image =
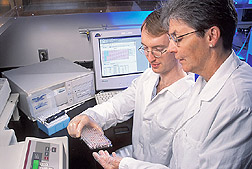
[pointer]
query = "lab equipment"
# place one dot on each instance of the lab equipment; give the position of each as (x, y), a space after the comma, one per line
(9, 137)
(53, 126)
(94, 138)
(8, 104)
(4, 93)
(13, 156)
(44, 153)
(117, 60)
(48, 87)
(41, 154)
(55, 116)
(103, 96)
(10, 110)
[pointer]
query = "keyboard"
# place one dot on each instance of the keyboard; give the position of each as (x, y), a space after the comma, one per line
(103, 96)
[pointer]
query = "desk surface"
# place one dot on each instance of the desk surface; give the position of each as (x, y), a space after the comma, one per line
(80, 156)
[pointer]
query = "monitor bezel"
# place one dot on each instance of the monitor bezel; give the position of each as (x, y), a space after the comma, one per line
(111, 82)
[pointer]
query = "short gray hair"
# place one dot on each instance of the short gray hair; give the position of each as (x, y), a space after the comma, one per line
(202, 15)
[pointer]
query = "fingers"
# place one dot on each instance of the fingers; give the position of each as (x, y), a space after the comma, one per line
(107, 161)
(75, 125)
(96, 156)
(104, 153)
(113, 154)
(93, 124)
(102, 157)
(80, 126)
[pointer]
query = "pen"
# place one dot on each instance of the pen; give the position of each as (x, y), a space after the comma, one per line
(55, 116)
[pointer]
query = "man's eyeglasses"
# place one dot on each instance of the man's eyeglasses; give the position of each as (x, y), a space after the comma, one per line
(179, 38)
(155, 52)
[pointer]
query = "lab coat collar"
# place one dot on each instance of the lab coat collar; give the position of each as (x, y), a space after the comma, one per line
(149, 86)
(177, 89)
(217, 81)
(206, 91)
(181, 86)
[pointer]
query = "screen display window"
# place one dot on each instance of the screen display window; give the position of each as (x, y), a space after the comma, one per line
(120, 56)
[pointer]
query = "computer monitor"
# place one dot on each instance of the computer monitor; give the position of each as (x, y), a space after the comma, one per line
(117, 60)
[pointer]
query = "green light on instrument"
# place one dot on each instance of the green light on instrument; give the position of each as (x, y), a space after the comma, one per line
(35, 164)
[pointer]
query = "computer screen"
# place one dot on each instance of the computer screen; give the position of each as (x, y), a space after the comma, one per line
(117, 60)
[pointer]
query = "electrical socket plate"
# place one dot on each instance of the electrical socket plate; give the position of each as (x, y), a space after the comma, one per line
(43, 55)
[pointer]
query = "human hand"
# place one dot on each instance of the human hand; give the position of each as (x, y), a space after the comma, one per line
(76, 125)
(107, 161)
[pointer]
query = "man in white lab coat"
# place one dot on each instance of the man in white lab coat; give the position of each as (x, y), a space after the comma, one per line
(216, 129)
(158, 98)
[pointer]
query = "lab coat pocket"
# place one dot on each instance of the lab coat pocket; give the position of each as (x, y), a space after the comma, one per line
(189, 147)
(161, 142)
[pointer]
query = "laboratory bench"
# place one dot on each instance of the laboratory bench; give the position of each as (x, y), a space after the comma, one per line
(80, 156)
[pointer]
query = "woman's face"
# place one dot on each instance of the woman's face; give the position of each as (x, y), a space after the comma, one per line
(191, 50)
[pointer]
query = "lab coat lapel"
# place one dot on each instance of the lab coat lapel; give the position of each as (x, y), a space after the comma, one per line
(202, 93)
(220, 77)
(194, 103)
(149, 85)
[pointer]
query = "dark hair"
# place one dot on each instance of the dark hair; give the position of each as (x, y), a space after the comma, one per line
(202, 15)
(153, 25)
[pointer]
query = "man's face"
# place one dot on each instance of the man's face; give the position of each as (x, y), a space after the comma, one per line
(167, 61)
(191, 50)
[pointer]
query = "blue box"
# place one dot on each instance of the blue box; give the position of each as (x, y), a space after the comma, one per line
(54, 126)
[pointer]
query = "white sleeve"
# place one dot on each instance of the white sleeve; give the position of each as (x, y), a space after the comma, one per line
(131, 163)
(115, 110)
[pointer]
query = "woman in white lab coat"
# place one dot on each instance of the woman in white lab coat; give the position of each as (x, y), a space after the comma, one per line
(216, 129)
(156, 100)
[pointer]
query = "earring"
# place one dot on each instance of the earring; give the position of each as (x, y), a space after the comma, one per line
(211, 45)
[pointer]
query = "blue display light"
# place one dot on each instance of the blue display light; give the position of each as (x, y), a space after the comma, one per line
(129, 18)
(241, 2)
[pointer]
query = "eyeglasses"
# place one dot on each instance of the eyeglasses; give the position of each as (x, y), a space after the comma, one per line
(155, 52)
(179, 38)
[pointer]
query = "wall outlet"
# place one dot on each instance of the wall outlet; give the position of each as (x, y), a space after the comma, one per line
(43, 55)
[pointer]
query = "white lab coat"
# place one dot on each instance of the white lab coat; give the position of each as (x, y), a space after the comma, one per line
(154, 121)
(216, 130)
